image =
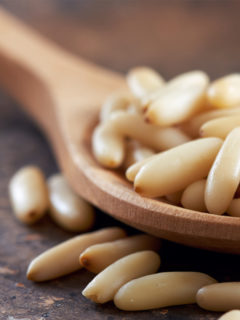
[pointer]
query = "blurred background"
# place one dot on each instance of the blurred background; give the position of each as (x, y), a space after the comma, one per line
(172, 36)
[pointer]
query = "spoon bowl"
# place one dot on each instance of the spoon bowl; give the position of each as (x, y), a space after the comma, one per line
(63, 94)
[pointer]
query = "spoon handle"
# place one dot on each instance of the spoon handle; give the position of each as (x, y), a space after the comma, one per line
(39, 74)
(29, 63)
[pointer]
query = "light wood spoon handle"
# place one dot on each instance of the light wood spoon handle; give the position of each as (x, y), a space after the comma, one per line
(33, 67)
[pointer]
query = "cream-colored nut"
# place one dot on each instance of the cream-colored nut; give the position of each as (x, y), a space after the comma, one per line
(151, 97)
(220, 127)
(117, 101)
(134, 126)
(67, 209)
(146, 100)
(179, 100)
(28, 194)
(108, 146)
(134, 168)
(135, 152)
(161, 290)
(175, 169)
(223, 296)
(234, 208)
(64, 258)
(144, 80)
(97, 257)
(231, 315)
(104, 286)
(141, 153)
(224, 176)
(193, 196)
(193, 126)
(175, 198)
(225, 92)
(134, 108)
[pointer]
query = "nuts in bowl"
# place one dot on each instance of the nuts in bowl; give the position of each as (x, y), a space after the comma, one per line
(191, 131)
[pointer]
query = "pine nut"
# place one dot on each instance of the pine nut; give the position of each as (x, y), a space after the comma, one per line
(220, 127)
(144, 80)
(28, 194)
(155, 179)
(219, 296)
(104, 286)
(224, 176)
(141, 153)
(108, 146)
(97, 257)
(64, 258)
(135, 168)
(193, 126)
(116, 101)
(234, 208)
(66, 208)
(180, 99)
(193, 196)
(135, 152)
(149, 98)
(161, 290)
(134, 126)
(231, 315)
(225, 92)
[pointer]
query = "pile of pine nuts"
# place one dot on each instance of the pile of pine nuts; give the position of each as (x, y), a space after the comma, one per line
(179, 140)
(126, 272)
(125, 266)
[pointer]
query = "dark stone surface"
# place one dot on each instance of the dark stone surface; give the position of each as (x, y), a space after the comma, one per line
(172, 36)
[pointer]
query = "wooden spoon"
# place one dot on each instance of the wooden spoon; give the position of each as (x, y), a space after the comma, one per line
(63, 93)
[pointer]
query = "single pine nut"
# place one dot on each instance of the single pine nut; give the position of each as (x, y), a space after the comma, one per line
(161, 290)
(66, 208)
(134, 126)
(224, 176)
(108, 146)
(104, 286)
(146, 100)
(64, 258)
(134, 168)
(116, 101)
(144, 80)
(99, 256)
(225, 92)
(175, 198)
(220, 127)
(219, 296)
(193, 126)
(135, 153)
(234, 208)
(141, 153)
(193, 196)
(155, 179)
(28, 194)
(179, 100)
(231, 315)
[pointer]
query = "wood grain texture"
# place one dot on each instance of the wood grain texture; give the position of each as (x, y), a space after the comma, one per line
(90, 26)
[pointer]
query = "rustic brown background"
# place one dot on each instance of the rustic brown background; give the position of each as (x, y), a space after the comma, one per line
(172, 36)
